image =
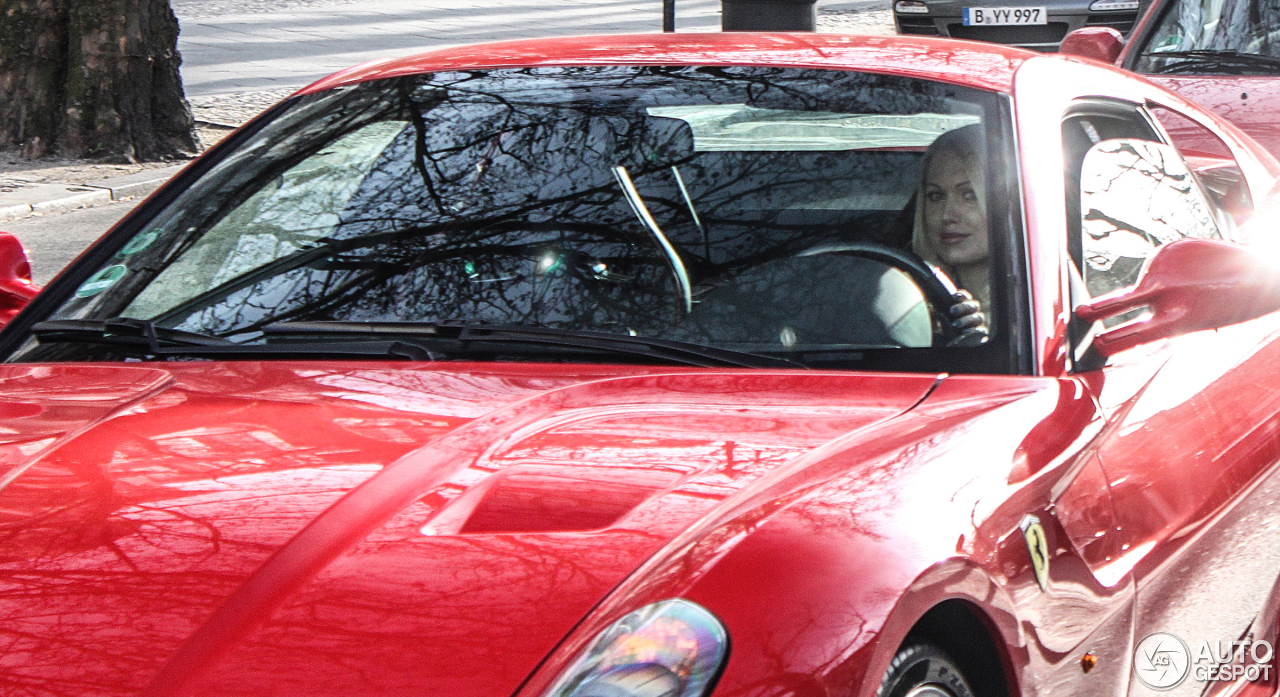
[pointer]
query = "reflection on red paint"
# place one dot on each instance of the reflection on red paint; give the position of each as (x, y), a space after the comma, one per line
(987, 67)
(1249, 102)
(164, 491)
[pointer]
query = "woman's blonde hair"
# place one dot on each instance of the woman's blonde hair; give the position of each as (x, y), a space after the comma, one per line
(966, 143)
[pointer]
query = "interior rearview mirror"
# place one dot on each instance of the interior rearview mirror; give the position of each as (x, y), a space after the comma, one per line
(1187, 286)
(16, 288)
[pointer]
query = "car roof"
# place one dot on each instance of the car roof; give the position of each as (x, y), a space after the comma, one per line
(983, 66)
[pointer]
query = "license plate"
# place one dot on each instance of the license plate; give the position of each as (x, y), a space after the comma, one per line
(1003, 16)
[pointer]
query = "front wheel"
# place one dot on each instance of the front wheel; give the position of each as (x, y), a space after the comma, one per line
(921, 669)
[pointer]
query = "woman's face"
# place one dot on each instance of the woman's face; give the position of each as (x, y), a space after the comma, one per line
(954, 221)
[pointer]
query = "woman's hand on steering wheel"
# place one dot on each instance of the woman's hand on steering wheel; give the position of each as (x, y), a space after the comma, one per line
(968, 323)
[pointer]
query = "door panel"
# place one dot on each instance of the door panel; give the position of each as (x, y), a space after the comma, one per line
(1088, 517)
(1195, 436)
(1180, 457)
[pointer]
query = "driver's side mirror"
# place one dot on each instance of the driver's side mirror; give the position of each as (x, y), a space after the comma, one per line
(1187, 286)
(16, 288)
(1099, 43)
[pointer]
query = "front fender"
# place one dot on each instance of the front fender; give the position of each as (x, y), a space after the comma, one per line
(816, 612)
(821, 570)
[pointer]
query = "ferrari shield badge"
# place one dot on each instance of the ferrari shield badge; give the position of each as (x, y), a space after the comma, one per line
(1038, 548)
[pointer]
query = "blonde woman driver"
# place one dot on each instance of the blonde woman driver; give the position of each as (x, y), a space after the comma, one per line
(950, 230)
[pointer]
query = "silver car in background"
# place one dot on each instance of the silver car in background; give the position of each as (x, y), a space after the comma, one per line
(1034, 24)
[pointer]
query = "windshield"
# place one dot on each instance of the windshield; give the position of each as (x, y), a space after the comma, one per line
(759, 210)
(1239, 37)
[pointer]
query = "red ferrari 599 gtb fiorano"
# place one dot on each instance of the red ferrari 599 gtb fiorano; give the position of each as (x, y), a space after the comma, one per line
(735, 365)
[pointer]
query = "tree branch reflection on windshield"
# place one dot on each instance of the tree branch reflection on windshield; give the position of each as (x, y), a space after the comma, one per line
(554, 197)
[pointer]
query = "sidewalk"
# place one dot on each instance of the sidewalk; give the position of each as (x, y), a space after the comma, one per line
(241, 56)
(19, 201)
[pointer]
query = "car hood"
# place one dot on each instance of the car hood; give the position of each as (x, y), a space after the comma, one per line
(288, 528)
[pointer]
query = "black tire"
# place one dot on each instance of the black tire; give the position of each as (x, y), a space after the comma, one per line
(921, 669)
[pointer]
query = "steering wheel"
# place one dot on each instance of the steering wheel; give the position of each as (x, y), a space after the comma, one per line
(937, 287)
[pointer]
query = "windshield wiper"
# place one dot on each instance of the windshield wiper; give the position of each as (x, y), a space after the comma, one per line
(125, 331)
(145, 338)
(1207, 61)
(464, 332)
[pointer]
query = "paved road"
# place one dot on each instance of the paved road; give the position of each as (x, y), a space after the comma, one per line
(297, 42)
(233, 46)
(52, 241)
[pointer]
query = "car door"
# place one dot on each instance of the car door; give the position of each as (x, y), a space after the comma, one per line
(1192, 423)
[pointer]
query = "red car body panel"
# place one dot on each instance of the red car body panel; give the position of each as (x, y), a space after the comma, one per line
(146, 484)
(831, 556)
(304, 528)
(177, 484)
(1249, 102)
(988, 67)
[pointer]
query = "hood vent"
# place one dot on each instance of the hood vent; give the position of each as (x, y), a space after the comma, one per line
(550, 499)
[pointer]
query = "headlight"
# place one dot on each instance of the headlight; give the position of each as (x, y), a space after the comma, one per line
(910, 7)
(672, 648)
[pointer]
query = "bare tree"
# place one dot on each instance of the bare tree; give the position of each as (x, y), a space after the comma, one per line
(92, 78)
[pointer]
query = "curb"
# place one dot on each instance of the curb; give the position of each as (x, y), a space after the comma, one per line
(60, 198)
(855, 6)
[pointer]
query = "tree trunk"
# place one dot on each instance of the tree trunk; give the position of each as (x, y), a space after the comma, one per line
(93, 78)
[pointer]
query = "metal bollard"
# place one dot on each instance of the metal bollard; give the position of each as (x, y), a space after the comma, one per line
(768, 15)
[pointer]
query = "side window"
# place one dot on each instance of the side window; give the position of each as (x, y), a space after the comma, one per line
(1210, 36)
(1135, 195)
(1127, 193)
(1212, 163)
(1085, 125)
